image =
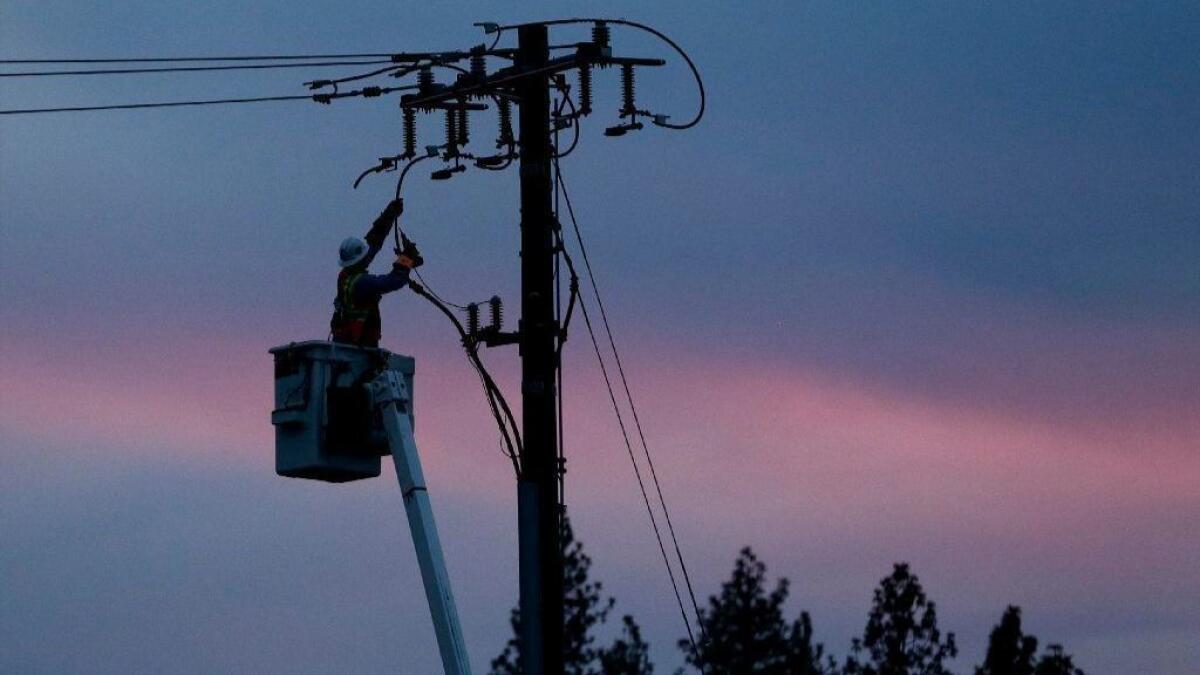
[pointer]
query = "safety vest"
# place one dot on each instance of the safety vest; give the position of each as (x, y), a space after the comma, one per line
(353, 322)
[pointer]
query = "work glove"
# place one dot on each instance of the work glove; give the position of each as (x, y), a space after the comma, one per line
(409, 257)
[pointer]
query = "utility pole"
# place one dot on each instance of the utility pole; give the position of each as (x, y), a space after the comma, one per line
(538, 510)
(528, 82)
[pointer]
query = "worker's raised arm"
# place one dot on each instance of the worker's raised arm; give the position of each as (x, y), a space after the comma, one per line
(370, 286)
(379, 229)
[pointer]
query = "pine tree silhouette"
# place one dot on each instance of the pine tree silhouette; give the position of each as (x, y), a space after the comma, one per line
(629, 654)
(902, 635)
(1055, 662)
(746, 630)
(585, 608)
(1010, 651)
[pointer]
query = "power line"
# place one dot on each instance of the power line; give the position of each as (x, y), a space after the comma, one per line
(461, 308)
(366, 92)
(561, 184)
(165, 104)
(637, 472)
(186, 59)
(193, 69)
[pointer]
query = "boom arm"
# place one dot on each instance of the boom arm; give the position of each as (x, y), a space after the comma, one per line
(391, 397)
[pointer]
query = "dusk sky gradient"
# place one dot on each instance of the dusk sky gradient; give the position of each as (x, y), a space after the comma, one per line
(923, 286)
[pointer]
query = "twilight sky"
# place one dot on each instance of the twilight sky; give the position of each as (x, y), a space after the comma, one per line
(923, 286)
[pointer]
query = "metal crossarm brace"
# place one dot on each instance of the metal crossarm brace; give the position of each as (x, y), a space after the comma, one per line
(507, 78)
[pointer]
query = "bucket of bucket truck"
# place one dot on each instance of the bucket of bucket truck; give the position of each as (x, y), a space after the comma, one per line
(325, 428)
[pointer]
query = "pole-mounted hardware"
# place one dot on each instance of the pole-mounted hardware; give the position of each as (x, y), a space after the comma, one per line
(500, 86)
(492, 335)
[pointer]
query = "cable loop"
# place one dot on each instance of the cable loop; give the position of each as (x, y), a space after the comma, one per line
(661, 121)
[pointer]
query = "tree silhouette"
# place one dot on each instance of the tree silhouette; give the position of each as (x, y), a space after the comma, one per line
(804, 656)
(584, 607)
(901, 636)
(1010, 651)
(746, 631)
(1055, 662)
(629, 654)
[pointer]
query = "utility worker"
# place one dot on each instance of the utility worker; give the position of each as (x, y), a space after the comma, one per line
(356, 309)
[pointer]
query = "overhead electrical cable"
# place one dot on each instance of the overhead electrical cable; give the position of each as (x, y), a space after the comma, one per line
(400, 181)
(194, 69)
(367, 92)
(166, 104)
(505, 444)
(629, 398)
(637, 471)
(200, 59)
(561, 184)
(461, 308)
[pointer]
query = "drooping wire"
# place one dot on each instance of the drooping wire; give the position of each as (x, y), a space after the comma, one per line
(496, 401)
(628, 394)
(187, 59)
(193, 69)
(400, 185)
(365, 92)
(653, 31)
(510, 433)
(396, 231)
(461, 308)
(506, 448)
(496, 398)
(164, 104)
(560, 185)
(637, 472)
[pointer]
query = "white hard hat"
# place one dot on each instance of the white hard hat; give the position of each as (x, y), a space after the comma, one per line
(352, 250)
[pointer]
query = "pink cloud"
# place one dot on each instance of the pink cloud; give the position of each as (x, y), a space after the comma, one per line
(725, 424)
(744, 449)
